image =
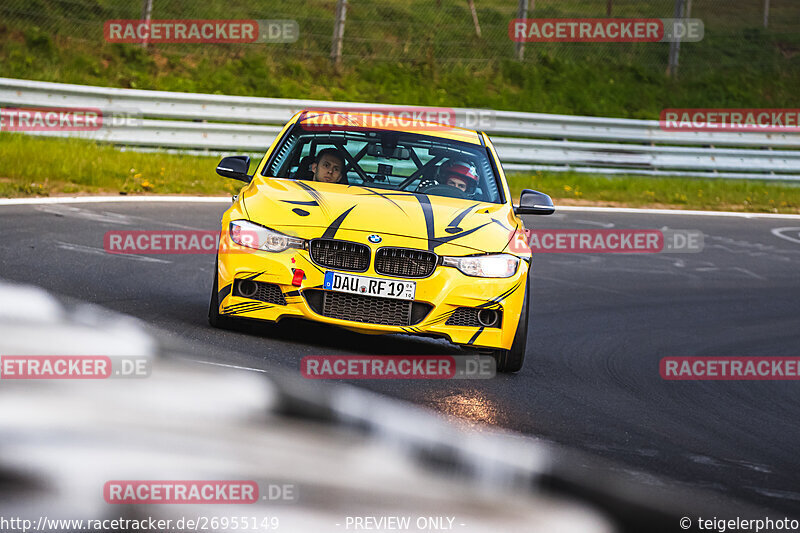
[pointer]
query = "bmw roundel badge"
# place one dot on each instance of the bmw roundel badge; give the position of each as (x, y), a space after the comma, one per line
(374, 239)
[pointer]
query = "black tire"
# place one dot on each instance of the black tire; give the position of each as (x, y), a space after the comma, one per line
(214, 318)
(513, 359)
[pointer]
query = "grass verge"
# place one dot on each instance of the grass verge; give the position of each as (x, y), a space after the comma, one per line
(38, 166)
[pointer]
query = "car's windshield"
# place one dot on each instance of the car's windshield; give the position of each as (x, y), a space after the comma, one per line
(387, 160)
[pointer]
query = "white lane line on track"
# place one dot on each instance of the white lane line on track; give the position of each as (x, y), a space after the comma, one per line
(85, 214)
(779, 232)
(105, 199)
(226, 199)
(591, 209)
(99, 251)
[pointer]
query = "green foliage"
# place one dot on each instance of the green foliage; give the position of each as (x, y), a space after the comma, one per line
(669, 192)
(425, 53)
(36, 166)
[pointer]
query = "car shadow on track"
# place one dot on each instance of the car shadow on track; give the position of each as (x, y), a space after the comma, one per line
(303, 332)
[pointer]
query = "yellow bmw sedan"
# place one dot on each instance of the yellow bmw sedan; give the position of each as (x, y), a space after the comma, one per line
(380, 226)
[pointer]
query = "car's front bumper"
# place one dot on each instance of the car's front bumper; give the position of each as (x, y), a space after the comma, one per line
(445, 290)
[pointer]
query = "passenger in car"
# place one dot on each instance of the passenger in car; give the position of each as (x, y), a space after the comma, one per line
(459, 175)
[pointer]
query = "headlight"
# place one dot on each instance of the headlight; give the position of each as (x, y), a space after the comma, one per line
(251, 235)
(485, 266)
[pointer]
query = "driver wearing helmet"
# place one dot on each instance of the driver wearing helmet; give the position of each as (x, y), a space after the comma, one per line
(460, 175)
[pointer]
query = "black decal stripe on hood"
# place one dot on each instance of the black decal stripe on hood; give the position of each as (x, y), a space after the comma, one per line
(385, 197)
(461, 215)
(448, 238)
(475, 337)
(301, 202)
(314, 194)
(427, 212)
(330, 233)
(501, 224)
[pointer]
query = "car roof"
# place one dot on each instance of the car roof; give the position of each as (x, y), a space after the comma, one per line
(402, 121)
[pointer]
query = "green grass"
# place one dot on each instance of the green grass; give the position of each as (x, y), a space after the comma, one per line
(37, 166)
(571, 188)
(423, 52)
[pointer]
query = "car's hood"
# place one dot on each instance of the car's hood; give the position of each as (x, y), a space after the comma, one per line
(438, 222)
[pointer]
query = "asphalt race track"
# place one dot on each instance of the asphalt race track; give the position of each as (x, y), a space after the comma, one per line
(600, 324)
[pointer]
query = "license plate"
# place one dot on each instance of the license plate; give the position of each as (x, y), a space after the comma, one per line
(385, 288)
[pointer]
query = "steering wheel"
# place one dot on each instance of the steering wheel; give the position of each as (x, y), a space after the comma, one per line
(442, 190)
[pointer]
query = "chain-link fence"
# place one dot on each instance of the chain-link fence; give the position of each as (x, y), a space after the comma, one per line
(436, 31)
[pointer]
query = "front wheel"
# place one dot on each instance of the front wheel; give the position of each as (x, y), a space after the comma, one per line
(513, 359)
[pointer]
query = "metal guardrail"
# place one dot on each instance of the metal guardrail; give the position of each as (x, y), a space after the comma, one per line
(524, 141)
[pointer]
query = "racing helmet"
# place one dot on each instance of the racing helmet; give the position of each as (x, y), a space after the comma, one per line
(459, 169)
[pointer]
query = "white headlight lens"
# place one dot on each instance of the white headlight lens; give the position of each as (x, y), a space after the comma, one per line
(251, 235)
(485, 266)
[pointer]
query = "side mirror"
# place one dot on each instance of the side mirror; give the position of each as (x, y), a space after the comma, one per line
(534, 203)
(235, 167)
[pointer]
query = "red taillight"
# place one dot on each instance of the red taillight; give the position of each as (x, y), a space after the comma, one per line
(297, 279)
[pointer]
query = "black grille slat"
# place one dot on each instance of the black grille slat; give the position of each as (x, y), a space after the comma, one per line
(265, 292)
(270, 293)
(341, 255)
(369, 309)
(405, 262)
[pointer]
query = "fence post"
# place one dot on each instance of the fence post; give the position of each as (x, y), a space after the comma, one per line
(675, 45)
(474, 17)
(147, 10)
(522, 12)
(338, 32)
(609, 7)
(766, 13)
